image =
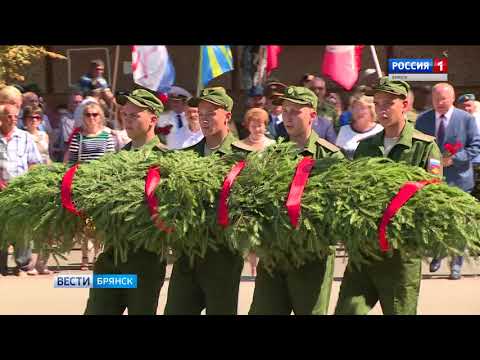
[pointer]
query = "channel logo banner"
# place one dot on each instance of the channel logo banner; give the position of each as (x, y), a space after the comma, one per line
(418, 69)
(98, 281)
(410, 66)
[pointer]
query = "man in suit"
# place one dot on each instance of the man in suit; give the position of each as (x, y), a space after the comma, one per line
(451, 126)
(325, 110)
(276, 127)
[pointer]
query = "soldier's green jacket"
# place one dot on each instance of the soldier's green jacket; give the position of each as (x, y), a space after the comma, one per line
(154, 144)
(225, 147)
(148, 266)
(305, 290)
(411, 116)
(414, 147)
(316, 147)
(320, 148)
(395, 279)
(213, 281)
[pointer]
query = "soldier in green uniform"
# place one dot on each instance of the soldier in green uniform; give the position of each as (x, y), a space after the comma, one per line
(395, 279)
(213, 281)
(305, 290)
(140, 113)
(324, 109)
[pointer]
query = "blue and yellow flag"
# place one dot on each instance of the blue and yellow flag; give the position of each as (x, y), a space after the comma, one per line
(215, 60)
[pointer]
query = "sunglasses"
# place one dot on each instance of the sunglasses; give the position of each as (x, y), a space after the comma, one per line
(35, 117)
(91, 114)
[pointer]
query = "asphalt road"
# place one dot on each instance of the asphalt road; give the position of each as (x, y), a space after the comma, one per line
(36, 295)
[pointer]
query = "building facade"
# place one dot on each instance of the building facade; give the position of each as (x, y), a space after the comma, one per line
(56, 77)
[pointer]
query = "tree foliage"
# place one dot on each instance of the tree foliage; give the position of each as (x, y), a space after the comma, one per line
(15, 58)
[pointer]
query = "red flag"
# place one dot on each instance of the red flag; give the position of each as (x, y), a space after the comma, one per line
(342, 64)
(272, 57)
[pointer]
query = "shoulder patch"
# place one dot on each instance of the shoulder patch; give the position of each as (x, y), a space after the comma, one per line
(239, 144)
(421, 136)
(328, 145)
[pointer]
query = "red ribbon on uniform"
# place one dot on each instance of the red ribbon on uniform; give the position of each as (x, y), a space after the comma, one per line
(151, 182)
(299, 181)
(222, 211)
(404, 194)
(66, 190)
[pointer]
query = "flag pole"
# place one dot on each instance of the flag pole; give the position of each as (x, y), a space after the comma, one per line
(375, 60)
(114, 80)
(115, 68)
(261, 66)
(199, 79)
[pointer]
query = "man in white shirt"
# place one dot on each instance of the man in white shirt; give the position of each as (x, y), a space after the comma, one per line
(176, 118)
(191, 133)
(67, 120)
(18, 153)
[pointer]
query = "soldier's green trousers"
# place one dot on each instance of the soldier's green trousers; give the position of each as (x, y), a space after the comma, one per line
(212, 284)
(305, 290)
(143, 300)
(394, 281)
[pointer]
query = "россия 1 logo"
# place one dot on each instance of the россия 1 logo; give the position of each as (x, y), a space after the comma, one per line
(418, 69)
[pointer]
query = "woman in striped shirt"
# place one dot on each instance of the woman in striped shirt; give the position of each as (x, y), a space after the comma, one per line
(93, 141)
(90, 143)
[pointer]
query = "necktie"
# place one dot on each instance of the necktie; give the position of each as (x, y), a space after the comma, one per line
(179, 119)
(441, 131)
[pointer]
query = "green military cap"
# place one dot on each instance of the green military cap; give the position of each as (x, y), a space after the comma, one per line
(217, 96)
(300, 95)
(142, 98)
(466, 97)
(395, 87)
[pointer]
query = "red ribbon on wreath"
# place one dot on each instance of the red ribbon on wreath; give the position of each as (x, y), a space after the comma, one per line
(66, 191)
(297, 187)
(404, 194)
(3, 185)
(222, 211)
(151, 182)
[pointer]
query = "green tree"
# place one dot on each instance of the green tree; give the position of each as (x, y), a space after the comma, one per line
(15, 58)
